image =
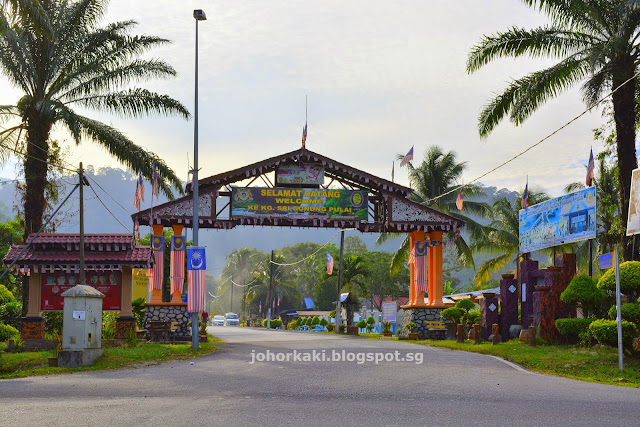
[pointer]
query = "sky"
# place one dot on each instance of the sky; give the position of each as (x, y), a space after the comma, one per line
(380, 77)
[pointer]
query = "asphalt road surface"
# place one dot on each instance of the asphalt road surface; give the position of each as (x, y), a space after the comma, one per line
(227, 389)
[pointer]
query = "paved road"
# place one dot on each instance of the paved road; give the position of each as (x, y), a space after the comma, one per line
(225, 388)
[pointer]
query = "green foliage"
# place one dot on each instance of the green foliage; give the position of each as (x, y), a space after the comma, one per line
(410, 326)
(276, 323)
(52, 322)
(452, 313)
(5, 295)
(8, 332)
(629, 280)
(138, 308)
(370, 320)
(386, 327)
(361, 324)
(342, 327)
(629, 312)
(315, 321)
(606, 332)
(465, 304)
(573, 327)
(583, 293)
(292, 325)
(330, 327)
(109, 324)
(473, 316)
(11, 314)
(324, 322)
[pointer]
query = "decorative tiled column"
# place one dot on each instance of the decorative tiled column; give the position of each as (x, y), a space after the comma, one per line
(158, 251)
(528, 283)
(489, 310)
(508, 304)
(33, 323)
(126, 321)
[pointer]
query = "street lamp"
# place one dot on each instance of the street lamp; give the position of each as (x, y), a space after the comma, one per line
(199, 15)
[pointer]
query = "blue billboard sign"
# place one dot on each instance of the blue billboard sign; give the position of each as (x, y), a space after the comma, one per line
(389, 312)
(565, 219)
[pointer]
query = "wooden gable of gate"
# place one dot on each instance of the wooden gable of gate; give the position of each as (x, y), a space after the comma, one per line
(390, 207)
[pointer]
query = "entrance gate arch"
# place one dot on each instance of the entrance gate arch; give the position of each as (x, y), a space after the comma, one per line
(388, 208)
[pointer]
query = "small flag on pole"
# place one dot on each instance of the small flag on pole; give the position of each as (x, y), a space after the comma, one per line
(304, 135)
(407, 158)
(196, 269)
(460, 200)
(524, 203)
(154, 187)
(329, 263)
(590, 170)
(139, 196)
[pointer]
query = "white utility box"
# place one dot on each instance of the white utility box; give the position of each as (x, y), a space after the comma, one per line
(81, 327)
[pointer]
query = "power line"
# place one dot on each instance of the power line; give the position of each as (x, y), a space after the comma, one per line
(537, 143)
(108, 210)
(319, 249)
(107, 193)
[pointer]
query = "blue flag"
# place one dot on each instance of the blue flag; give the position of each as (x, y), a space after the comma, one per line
(196, 259)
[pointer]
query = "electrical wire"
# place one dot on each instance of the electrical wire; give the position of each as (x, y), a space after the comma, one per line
(108, 210)
(37, 158)
(537, 143)
(319, 249)
(107, 193)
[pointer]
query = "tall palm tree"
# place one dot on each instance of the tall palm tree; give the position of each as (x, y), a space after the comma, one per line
(502, 235)
(595, 42)
(354, 271)
(438, 174)
(56, 53)
(282, 285)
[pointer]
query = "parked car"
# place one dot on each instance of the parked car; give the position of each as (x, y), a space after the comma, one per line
(218, 320)
(232, 319)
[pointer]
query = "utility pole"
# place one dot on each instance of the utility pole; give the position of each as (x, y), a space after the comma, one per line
(269, 292)
(244, 298)
(338, 308)
(232, 285)
(83, 279)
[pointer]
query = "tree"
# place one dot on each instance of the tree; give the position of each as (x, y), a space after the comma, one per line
(502, 235)
(596, 43)
(354, 272)
(56, 53)
(435, 176)
(237, 272)
(282, 285)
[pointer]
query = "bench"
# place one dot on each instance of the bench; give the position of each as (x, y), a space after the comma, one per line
(436, 330)
(140, 333)
(159, 331)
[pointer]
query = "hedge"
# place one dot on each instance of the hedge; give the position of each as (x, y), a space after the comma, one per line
(573, 327)
(630, 312)
(8, 332)
(452, 313)
(606, 332)
(629, 279)
(582, 292)
(5, 295)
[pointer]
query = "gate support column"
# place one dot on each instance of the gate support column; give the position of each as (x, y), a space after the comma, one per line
(414, 298)
(435, 271)
(156, 294)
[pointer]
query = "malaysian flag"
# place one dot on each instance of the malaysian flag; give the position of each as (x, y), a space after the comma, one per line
(590, 170)
(154, 188)
(412, 255)
(139, 196)
(304, 134)
(407, 158)
(157, 244)
(460, 200)
(524, 203)
(329, 263)
(177, 264)
(196, 269)
(421, 267)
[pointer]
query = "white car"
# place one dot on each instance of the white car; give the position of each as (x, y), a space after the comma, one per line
(218, 320)
(232, 319)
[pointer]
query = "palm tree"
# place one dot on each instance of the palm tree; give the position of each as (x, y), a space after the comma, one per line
(597, 43)
(354, 271)
(282, 285)
(502, 236)
(56, 53)
(237, 272)
(438, 174)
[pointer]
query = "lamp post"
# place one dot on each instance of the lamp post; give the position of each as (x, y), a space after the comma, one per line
(199, 15)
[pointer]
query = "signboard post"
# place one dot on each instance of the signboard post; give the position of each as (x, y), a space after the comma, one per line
(607, 261)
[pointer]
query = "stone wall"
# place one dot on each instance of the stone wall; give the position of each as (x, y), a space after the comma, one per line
(421, 315)
(171, 313)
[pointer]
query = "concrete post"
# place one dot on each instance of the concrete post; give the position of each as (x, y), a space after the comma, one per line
(508, 304)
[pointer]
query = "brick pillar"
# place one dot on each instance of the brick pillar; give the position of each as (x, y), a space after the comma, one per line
(527, 282)
(32, 328)
(567, 263)
(508, 304)
(489, 309)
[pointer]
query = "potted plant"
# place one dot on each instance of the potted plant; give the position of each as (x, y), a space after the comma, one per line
(411, 328)
(342, 327)
(386, 329)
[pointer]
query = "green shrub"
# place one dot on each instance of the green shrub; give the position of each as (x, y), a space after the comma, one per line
(629, 280)
(473, 316)
(324, 322)
(8, 332)
(303, 321)
(410, 326)
(299, 321)
(606, 332)
(361, 324)
(292, 325)
(109, 324)
(452, 313)
(11, 314)
(52, 322)
(371, 320)
(465, 304)
(5, 295)
(583, 293)
(386, 327)
(330, 327)
(342, 327)
(276, 323)
(315, 321)
(629, 311)
(573, 327)
(138, 307)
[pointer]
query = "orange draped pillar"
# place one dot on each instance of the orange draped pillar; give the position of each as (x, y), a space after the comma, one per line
(156, 294)
(177, 231)
(435, 270)
(415, 300)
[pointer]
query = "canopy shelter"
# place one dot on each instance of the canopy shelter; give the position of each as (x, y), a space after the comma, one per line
(52, 262)
(306, 189)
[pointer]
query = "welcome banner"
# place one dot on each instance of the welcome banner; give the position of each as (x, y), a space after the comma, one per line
(299, 203)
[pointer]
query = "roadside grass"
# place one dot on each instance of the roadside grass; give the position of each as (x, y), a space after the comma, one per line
(597, 364)
(17, 365)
